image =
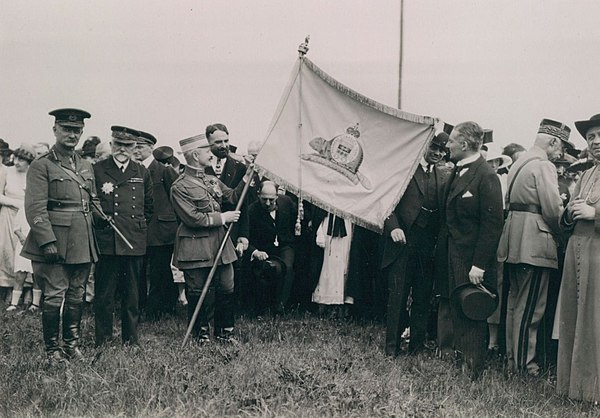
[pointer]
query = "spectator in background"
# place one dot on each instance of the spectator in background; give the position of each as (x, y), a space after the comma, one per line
(88, 149)
(41, 148)
(12, 194)
(334, 235)
(514, 151)
(5, 153)
(23, 271)
(157, 276)
(102, 151)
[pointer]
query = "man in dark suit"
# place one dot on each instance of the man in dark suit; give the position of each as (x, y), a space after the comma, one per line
(125, 192)
(468, 242)
(230, 171)
(157, 276)
(409, 238)
(272, 222)
(61, 243)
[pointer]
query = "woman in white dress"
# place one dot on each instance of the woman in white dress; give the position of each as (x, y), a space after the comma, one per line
(21, 267)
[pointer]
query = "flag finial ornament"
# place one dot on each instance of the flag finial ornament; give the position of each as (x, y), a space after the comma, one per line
(303, 47)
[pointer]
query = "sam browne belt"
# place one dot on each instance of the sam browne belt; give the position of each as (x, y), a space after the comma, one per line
(58, 206)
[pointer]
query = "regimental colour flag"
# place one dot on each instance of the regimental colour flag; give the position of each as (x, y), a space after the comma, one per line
(342, 151)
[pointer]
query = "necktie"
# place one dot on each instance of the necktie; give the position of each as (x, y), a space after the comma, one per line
(122, 169)
(218, 168)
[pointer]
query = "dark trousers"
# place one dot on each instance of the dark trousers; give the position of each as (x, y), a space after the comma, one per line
(284, 289)
(468, 337)
(122, 273)
(162, 291)
(411, 270)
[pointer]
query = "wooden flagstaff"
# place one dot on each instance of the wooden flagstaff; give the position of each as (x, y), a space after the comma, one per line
(400, 54)
(215, 265)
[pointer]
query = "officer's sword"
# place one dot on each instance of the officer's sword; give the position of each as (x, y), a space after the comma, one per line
(215, 265)
(111, 223)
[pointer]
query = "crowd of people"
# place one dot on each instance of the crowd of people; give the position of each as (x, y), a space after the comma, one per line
(490, 252)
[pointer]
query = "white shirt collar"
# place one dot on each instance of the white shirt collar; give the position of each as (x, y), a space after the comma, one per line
(125, 165)
(424, 163)
(468, 160)
(146, 163)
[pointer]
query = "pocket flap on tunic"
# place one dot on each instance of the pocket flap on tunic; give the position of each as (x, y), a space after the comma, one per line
(60, 218)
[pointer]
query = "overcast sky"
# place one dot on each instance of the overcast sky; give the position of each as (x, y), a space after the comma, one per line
(171, 68)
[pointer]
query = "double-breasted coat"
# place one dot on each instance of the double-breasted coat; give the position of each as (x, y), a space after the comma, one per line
(58, 208)
(126, 197)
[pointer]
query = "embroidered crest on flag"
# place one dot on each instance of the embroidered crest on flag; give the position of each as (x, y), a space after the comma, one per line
(343, 153)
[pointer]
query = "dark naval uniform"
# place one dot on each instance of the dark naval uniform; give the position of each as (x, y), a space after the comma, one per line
(58, 210)
(197, 198)
(127, 198)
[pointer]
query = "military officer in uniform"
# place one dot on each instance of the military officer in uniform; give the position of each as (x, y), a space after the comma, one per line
(125, 192)
(61, 243)
(197, 198)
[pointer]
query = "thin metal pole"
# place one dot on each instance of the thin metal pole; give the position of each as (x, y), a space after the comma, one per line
(215, 265)
(400, 54)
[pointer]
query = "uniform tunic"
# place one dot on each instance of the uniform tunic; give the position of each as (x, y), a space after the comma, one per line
(49, 189)
(197, 199)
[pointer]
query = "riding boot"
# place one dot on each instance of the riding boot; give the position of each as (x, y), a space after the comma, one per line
(51, 331)
(71, 331)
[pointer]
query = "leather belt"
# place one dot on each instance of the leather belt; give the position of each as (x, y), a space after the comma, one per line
(58, 206)
(523, 207)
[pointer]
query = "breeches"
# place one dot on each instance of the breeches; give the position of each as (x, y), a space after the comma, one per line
(61, 282)
(222, 281)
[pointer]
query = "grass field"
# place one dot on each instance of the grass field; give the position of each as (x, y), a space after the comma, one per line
(296, 365)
